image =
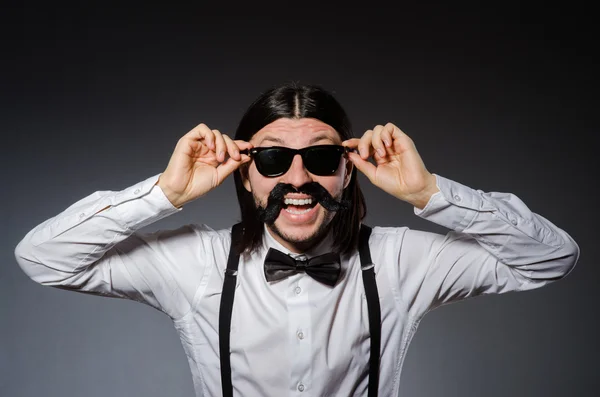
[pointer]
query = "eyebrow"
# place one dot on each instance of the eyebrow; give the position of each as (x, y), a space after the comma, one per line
(281, 142)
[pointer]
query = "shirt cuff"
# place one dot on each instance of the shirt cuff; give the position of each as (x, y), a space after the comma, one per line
(454, 206)
(143, 204)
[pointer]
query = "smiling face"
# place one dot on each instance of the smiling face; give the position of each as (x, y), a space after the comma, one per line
(298, 226)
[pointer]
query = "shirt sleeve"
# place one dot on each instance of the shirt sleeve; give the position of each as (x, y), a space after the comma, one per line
(496, 244)
(95, 246)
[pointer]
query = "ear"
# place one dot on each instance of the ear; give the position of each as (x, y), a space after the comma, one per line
(348, 176)
(244, 174)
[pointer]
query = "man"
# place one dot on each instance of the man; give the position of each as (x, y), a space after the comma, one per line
(294, 330)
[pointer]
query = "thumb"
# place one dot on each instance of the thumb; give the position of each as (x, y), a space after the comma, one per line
(363, 166)
(225, 169)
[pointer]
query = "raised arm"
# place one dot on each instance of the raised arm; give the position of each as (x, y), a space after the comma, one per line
(495, 242)
(94, 245)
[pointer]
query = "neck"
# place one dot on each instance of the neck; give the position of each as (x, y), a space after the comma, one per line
(299, 247)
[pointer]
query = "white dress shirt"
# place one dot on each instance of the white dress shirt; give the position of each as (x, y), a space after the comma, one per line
(296, 337)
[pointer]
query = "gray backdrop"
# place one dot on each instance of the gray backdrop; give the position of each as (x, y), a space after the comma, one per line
(499, 98)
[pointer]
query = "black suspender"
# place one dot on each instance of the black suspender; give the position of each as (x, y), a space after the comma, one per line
(368, 275)
(225, 310)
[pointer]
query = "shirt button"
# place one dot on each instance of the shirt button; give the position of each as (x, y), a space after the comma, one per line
(297, 290)
(300, 335)
(136, 191)
(457, 198)
(81, 215)
(300, 387)
(513, 221)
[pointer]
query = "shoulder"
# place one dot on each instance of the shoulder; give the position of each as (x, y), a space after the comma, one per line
(405, 242)
(188, 237)
(386, 234)
(386, 242)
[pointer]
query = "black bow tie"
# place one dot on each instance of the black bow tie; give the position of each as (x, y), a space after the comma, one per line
(324, 268)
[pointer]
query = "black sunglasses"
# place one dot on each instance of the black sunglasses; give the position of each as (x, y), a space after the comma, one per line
(322, 160)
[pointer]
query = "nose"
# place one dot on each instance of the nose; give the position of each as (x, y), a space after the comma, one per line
(297, 175)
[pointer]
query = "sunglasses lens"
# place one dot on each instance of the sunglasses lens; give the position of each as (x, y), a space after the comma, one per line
(273, 162)
(322, 160)
(319, 160)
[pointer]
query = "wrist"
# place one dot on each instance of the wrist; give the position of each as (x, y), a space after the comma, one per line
(174, 198)
(420, 199)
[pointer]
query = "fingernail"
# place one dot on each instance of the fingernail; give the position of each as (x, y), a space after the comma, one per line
(387, 142)
(381, 152)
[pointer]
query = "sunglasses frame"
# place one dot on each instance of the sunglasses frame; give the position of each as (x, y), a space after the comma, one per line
(254, 151)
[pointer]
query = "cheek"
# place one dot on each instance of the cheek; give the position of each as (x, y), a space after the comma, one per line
(334, 185)
(259, 185)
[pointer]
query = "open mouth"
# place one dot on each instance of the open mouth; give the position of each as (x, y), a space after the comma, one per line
(299, 206)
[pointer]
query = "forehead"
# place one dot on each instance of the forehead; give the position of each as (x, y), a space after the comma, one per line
(296, 131)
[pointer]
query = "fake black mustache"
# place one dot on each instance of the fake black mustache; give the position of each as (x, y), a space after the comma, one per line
(275, 202)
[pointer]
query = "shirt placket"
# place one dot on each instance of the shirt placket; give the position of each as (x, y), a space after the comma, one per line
(300, 338)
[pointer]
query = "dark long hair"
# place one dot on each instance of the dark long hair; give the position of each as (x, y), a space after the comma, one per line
(295, 101)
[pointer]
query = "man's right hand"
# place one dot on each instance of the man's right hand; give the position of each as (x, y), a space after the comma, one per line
(201, 161)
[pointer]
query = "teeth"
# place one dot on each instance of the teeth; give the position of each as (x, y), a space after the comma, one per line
(298, 212)
(289, 201)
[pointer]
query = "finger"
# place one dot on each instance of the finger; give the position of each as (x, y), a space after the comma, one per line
(386, 134)
(363, 166)
(376, 141)
(201, 133)
(220, 146)
(232, 149)
(196, 132)
(225, 169)
(243, 145)
(351, 143)
(400, 140)
(364, 146)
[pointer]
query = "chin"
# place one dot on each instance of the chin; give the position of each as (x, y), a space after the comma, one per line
(302, 235)
(296, 234)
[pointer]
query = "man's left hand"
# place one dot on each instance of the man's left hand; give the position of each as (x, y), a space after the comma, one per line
(398, 169)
